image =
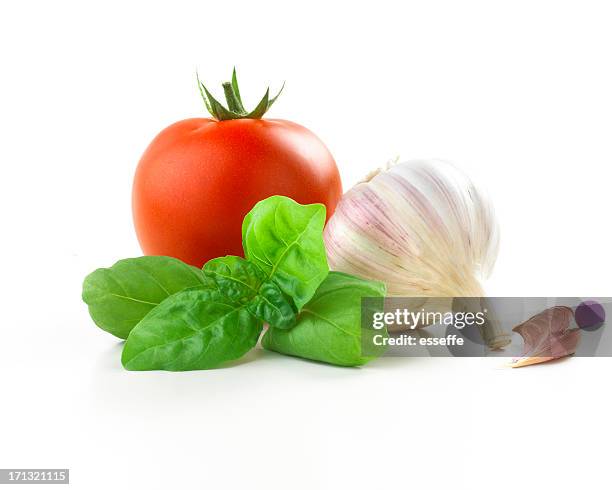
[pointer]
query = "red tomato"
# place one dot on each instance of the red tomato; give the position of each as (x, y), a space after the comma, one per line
(199, 178)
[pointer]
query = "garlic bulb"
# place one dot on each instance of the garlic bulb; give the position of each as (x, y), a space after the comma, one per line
(422, 227)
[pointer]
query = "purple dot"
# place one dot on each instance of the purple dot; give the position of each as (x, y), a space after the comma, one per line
(590, 315)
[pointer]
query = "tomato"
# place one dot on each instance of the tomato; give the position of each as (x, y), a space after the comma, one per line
(199, 177)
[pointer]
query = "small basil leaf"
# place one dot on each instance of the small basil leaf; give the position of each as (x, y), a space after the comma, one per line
(272, 307)
(285, 240)
(235, 277)
(120, 296)
(329, 327)
(244, 282)
(198, 328)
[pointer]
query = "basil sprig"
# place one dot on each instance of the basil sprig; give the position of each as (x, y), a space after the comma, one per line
(177, 318)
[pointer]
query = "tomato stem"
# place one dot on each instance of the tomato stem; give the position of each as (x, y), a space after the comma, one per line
(235, 108)
(233, 103)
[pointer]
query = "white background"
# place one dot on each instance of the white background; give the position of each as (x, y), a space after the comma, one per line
(517, 93)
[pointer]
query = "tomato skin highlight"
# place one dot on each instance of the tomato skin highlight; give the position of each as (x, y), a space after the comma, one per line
(199, 177)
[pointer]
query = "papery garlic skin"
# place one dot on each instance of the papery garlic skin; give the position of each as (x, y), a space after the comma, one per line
(422, 227)
(547, 336)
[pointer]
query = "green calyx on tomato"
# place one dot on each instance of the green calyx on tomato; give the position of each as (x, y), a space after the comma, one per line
(235, 108)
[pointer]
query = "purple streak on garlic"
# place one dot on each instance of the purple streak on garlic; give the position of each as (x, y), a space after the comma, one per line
(422, 227)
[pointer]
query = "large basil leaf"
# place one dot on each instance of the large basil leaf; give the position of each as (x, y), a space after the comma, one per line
(198, 328)
(329, 327)
(244, 282)
(120, 296)
(285, 240)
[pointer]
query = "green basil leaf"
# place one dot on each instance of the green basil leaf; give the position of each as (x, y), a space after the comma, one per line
(120, 296)
(244, 282)
(285, 240)
(329, 327)
(198, 328)
(272, 307)
(235, 277)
